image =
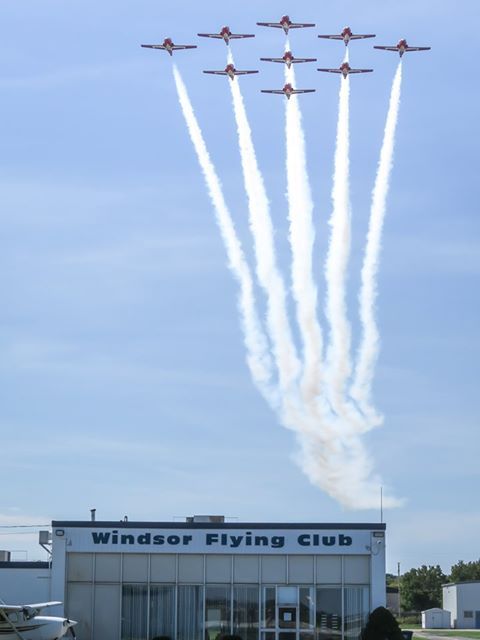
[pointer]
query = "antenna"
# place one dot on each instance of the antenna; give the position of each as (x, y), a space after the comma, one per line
(381, 504)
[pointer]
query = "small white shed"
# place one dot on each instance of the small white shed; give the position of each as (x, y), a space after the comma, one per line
(435, 619)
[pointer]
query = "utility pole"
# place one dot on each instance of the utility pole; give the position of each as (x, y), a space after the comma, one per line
(398, 574)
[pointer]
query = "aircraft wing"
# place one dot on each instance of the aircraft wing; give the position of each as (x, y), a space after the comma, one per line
(360, 70)
(38, 606)
(279, 92)
(332, 36)
(152, 46)
(295, 91)
(386, 48)
(184, 46)
(300, 25)
(275, 25)
(418, 48)
(304, 60)
(362, 36)
(210, 35)
(238, 36)
(272, 59)
(217, 73)
(331, 70)
(244, 73)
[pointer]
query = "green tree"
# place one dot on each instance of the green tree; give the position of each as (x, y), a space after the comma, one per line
(421, 589)
(381, 625)
(465, 571)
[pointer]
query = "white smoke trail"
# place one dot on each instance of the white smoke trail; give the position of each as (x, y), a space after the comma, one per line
(369, 346)
(302, 237)
(262, 231)
(338, 353)
(258, 357)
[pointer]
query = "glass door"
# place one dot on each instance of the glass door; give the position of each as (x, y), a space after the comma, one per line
(288, 613)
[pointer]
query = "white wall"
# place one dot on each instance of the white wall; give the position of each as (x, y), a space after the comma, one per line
(24, 586)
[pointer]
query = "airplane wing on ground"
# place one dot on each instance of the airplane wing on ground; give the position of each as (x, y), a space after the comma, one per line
(38, 606)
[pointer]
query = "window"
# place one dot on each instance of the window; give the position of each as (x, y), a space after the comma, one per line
(162, 611)
(245, 612)
(190, 612)
(355, 611)
(468, 614)
(134, 611)
(217, 611)
(329, 613)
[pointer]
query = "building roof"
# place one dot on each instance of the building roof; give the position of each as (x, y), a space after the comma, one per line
(20, 564)
(456, 584)
(130, 524)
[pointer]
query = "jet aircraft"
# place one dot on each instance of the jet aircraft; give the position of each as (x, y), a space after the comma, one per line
(230, 71)
(402, 46)
(345, 69)
(288, 59)
(288, 91)
(226, 35)
(286, 24)
(346, 35)
(169, 46)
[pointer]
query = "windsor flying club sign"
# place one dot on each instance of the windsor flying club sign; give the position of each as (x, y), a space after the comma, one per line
(237, 541)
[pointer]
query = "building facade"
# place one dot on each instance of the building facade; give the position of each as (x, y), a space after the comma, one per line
(462, 599)
(205, 579)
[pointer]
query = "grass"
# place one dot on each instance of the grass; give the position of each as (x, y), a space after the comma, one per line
(453, 633)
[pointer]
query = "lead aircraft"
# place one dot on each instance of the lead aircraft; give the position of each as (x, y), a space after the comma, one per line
(345, 69)
(286, 24)
(346, 35)
(230, 71)
(169, 46)
(23, 622)
(402, 47)
(288, 59)
(226, 35)
(288, 91)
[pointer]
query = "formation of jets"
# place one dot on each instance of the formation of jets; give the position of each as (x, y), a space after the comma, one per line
(346, 35)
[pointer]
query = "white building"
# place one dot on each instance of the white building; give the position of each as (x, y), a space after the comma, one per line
(436, 619)
(204, 579)
(23, 582)
(462, 599)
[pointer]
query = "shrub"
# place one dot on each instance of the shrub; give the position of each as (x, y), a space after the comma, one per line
(381, 625)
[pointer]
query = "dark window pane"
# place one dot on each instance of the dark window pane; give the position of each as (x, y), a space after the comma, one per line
(329, 613)
(217, 612)
(162, 611)
(190, 612)
(245, 612)
(134, 611)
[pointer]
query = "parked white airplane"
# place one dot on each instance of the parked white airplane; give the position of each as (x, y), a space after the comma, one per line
(23, 622)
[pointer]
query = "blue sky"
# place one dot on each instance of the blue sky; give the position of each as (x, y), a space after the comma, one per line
(122, 368)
